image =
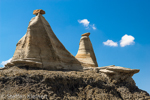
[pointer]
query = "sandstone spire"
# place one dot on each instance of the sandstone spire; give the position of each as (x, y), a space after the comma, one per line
(40, 47)
(86, 53)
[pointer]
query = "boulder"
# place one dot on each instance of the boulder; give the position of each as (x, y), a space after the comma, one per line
(35, 12)
(86, 34)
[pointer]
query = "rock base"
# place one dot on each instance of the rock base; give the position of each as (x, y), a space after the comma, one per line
(30, 84)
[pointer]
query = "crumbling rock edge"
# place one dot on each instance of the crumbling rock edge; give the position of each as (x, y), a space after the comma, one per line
(66, 85)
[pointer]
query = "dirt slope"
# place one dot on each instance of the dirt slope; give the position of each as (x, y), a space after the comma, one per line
(32, 84)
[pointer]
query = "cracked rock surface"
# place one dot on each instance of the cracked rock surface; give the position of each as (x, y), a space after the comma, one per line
(25, 83)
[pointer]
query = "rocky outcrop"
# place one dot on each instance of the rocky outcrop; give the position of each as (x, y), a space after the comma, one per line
(35, 12)
(40, 47)
(25, 83)
(29, 75)
(115, 73)
(86, 53)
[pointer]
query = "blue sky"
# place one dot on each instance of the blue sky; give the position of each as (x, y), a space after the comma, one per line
(110, 23)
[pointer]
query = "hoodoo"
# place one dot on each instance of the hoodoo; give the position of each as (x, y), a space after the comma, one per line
(40, 47)
(86, 53)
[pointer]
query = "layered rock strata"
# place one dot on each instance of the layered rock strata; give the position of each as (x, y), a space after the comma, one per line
(40, 47)
(115, 73)
(86, 53)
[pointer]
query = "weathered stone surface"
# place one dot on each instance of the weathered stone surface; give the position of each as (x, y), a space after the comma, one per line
(86, 53)
(107, 71)
(40, 48)
(122, 69)
(65, 85)
(115, 73)
(86, 34)
(35, 12)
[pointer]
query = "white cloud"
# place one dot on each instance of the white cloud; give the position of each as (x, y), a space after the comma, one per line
(110, 43)
(126, 40)
(93, 26)
(85, 22)
(5, 62)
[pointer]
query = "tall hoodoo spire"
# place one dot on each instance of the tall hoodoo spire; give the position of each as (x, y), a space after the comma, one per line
(40, 47)
(86, 53)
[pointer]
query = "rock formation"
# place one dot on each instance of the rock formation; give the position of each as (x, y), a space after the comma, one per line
(115, 73)
(23, 84)
(40, 47)
(86, 53)
(35, 12)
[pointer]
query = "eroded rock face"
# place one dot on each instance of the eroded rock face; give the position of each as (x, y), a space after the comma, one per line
(86, 53)
(40, 47)
(22, 84)
(115, 73)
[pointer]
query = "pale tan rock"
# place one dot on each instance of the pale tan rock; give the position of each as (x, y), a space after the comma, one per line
(119, 70)
(35, 12)
(107, 71)
(123, 70)
(115, 73)
(118, 74)
(40, 48)
(86, 53)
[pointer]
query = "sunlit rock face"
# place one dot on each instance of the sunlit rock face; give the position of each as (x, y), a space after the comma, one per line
(86, 53)
(40, 47)
(115, 73)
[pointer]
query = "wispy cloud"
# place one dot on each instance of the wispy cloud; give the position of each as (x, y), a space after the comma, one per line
(127, 40)
(110, 43)
(93, 26)
(86, 24)
(5, 62)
